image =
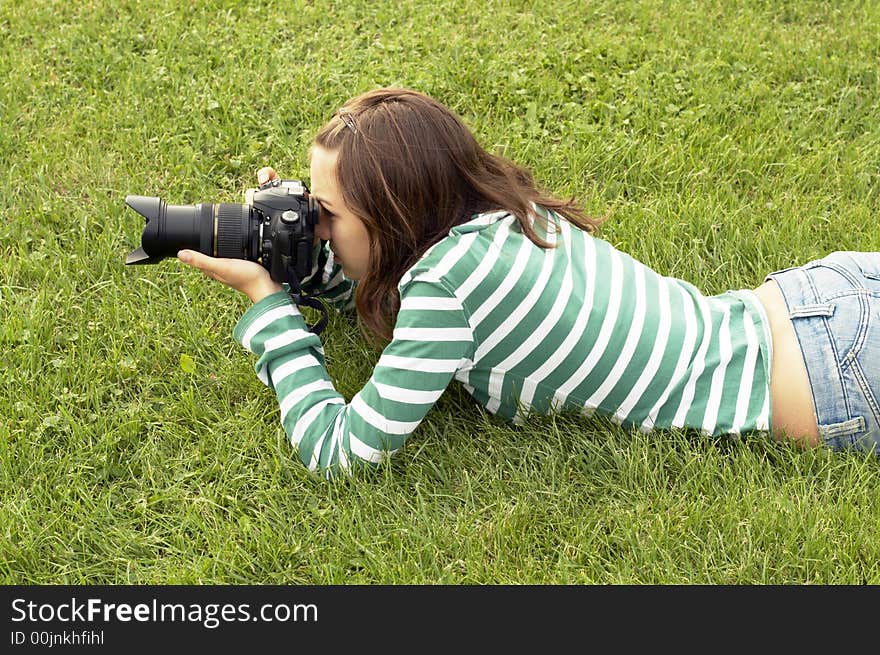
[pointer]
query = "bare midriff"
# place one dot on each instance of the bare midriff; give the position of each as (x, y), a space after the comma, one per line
(793, 415)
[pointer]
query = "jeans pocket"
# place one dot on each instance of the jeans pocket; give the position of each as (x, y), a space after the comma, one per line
(868, 263)
(846, 321)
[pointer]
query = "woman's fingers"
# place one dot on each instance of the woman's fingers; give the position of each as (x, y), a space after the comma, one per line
(195, 259)
(242, 275)
(202, 262)
(266, 174)
(233, 272)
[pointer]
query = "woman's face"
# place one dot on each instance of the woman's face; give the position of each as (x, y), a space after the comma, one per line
(346, 232)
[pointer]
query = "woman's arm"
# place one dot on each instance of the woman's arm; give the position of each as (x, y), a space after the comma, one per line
(432, 339)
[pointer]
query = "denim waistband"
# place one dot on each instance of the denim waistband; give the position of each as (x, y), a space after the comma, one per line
(833, 306)
(803, 301)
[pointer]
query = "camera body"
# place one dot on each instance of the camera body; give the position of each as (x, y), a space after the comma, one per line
(288, 217)
(276, 229)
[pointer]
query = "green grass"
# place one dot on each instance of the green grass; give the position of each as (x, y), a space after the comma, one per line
(724, 139)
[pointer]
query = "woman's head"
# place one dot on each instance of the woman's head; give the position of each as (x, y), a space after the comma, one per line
(347, 233)
(399, 157)
(408, 170)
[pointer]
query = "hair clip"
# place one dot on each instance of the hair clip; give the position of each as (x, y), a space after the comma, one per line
(348, 119)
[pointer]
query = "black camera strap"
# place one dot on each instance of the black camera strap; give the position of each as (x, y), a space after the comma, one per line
(301, 299)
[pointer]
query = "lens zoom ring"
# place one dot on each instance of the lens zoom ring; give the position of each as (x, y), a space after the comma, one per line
(232, 233)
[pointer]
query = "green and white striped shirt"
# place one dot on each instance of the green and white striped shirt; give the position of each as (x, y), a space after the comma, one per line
(581, 327)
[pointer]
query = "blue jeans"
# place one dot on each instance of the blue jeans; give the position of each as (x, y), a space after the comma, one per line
(834, 305)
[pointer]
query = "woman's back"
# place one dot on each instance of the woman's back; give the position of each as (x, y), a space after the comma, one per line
(585, 326)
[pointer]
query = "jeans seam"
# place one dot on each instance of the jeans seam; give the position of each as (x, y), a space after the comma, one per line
(861, 291)
(866, 390)
(862, 334)
(852, 279)
(803, 356)
(830, 341)
(865, 273)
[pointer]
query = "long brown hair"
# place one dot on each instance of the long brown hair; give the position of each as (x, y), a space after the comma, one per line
(411, 170)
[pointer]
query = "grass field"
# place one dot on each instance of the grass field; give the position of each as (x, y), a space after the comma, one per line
(724, 140)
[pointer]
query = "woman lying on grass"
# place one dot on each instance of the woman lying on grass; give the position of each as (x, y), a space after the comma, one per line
(474, 273)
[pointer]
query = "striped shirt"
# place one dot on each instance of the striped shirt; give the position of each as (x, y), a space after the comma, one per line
(581, 327)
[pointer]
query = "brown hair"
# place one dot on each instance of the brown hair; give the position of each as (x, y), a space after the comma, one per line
(411, 170)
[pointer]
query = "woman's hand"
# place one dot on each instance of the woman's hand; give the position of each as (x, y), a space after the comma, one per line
(250, 278)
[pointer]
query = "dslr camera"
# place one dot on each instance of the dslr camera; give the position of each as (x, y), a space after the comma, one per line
(276, 230)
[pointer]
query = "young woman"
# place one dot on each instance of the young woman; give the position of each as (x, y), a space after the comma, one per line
(472, 272)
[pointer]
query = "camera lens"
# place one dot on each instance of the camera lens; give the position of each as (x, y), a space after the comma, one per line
(233, 234)
(215, 229)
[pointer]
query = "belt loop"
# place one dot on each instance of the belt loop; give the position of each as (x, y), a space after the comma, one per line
(806, 311)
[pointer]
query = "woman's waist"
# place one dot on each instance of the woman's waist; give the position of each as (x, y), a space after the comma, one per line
(793, 412)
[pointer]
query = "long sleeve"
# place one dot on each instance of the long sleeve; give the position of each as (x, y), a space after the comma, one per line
(326, 276)
(432, 340)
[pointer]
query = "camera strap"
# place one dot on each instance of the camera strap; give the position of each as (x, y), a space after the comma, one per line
(301, 299)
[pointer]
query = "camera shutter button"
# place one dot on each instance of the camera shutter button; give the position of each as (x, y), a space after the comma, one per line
(289, 216)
